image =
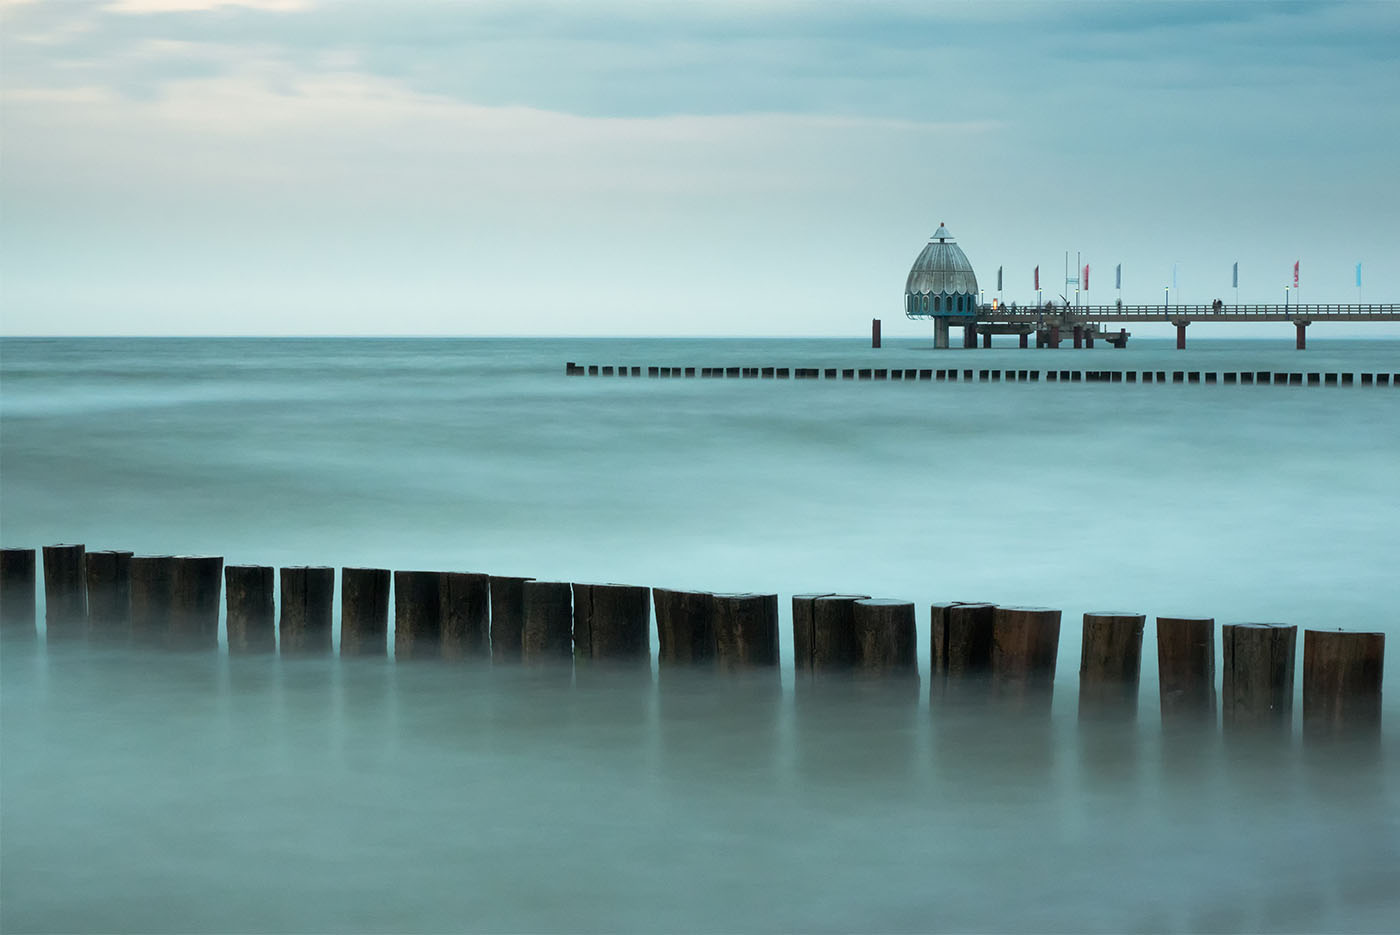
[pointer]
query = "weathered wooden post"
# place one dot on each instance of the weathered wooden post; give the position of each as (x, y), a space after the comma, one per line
(507, 617)
(886, 637)
(1186, 667)
(803, 624)
(1257, 674)
(612, 622)
(835, 644)
(1342, 683)
(685, 630)
(152, 590)
(960, 637)
(306, 621)
(364, 611)
(417, 615)
(17, 593)
(194, 607)
(466, 615)
(546, 633)
(251, 618)
(65, 591)
(1110, 664)
(874, 332)
(109, 596)
(1025, 645)
(746, 631)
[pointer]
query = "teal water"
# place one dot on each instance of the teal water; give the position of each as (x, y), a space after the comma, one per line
(173, 794)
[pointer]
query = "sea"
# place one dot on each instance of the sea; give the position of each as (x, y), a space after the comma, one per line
(153, 792)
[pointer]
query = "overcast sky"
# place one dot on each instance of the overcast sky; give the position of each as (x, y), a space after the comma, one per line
(519, 167)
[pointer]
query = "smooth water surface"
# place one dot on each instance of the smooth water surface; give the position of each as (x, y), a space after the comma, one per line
(171, 793)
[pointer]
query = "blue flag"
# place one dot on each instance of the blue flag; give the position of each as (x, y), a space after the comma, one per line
(1118, 277)
(1358, 275)
(998, 278)
(1236, 278)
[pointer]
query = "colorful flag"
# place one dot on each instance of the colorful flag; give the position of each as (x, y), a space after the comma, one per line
(1358, 275)
(998, 278)
(1295, 273)
(1037, 279)
(1235, 276)
(1118, 277)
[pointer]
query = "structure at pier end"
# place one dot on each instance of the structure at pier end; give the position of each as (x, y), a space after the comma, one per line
(942, 286)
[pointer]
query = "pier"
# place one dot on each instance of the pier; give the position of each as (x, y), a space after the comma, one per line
(1052, 324)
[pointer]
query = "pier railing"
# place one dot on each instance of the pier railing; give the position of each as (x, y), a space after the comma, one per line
(1207, 312)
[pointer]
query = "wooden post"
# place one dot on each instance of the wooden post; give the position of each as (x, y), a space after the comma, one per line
(835, 647)
(251, 619)
(746, 631)
(109, 596)
(307, 594)
(364, 611)
(886, 637)
(17, 593)
(1342, 682)
(1025, 644)
(685, 629)
(466, 615)
(1257, 674)
(874, 332)
(417, 615)
(65, 591)
(1110, 663)
(152, 590)
(194, 607)
(960, 637)
(507, 617)
(1186, 667)
(612, 622)
(803, 625)
(546, 633)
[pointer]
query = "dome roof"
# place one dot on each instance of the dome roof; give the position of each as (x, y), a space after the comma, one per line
(942, 268)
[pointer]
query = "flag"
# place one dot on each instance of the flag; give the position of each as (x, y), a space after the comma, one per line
(1086, 277)
(1235, 276)
(1037, 279)
(1295, 273)
(998, 278)
(1118, 277)
(1358, 275)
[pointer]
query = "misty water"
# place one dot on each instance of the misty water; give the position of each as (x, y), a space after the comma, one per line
(169, 792)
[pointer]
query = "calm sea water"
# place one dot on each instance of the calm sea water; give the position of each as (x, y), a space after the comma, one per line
(210, 794)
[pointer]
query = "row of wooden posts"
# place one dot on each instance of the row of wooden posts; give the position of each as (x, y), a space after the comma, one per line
(173, 602)
(953, 375)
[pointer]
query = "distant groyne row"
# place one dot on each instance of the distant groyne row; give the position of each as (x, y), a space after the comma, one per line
(985, 375)
(1007, 654)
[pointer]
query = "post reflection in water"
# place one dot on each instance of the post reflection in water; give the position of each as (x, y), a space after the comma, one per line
(162, 791)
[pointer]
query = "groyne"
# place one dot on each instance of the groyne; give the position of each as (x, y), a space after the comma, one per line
(1005, 654)
(989, 375)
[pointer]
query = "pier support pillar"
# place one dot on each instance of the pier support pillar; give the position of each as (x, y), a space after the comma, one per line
(1054, 335)
(970, 334)
(874, 332)
(1181, 334)
(986, 339)
(940, 333)
(1089, 339)
(1078, 337)
(1302, 327)
(1025, 339)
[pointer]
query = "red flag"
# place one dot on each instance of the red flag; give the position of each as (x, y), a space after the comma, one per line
(1295, 273)
(1086, 277)
(1037, 279)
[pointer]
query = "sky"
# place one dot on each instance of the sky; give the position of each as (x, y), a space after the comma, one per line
(513, 167)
